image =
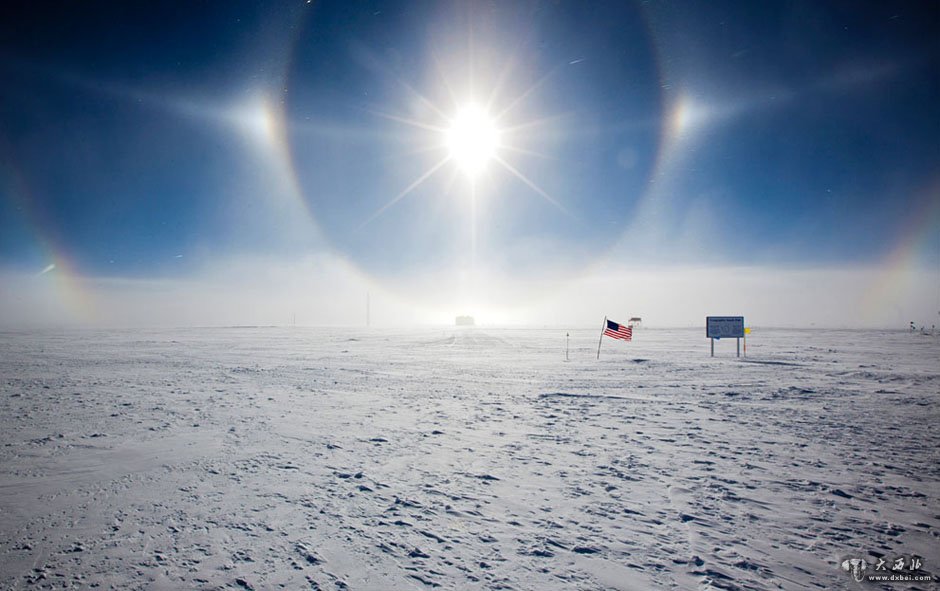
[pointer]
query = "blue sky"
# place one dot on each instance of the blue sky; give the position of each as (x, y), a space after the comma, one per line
(152, 141)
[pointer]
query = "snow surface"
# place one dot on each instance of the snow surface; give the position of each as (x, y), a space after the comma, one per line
(469, 458)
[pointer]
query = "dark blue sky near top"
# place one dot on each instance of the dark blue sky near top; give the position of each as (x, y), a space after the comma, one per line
(814, 139)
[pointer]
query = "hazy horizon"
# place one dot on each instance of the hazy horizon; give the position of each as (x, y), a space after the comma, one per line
(241, 294)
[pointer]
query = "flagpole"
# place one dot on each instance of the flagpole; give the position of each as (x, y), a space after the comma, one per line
(601, 338)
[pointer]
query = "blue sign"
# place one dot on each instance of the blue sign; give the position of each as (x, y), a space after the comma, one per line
(724, 327)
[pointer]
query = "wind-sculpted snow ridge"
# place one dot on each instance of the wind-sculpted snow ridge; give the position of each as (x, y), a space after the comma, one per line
(464, 459)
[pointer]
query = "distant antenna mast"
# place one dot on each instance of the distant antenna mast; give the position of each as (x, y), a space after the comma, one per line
(368, 311)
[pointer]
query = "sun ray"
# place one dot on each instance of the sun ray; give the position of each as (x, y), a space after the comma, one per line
(509, 67)
(424, 100)
(473, 225)
(376, 64)
(442, 75)
(422, 150)
(525, 94)
(501, 81)
(418, 151)
(407, 121)
(532, 185)
(471, 63)
(533, 123)
(518, 150)
(450, 181)
(336, 131)
(405, 192)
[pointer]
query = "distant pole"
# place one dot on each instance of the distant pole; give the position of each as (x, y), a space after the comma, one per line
(713, 346)
(603, 326)
(745, 343)
(566, 345)
(368, 310)
(738, 341)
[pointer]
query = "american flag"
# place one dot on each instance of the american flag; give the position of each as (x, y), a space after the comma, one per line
(618, 331)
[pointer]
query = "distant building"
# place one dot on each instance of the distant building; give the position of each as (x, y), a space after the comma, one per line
(464, 321)
(635, 321)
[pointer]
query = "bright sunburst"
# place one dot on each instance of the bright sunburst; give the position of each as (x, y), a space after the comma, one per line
(472, 140)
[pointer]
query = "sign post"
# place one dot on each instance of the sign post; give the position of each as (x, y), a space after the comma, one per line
(719, 327)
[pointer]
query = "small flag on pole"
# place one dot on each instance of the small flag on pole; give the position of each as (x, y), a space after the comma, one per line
(618, 331)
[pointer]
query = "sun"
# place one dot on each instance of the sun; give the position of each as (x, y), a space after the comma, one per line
(472, 139)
